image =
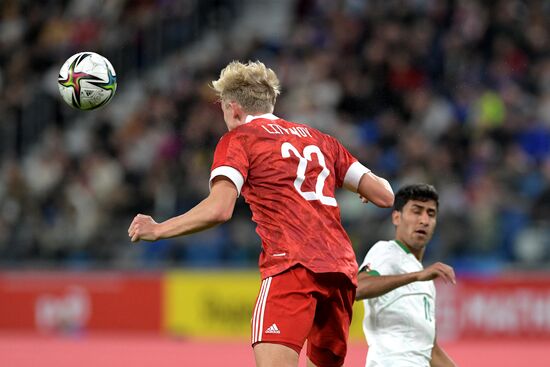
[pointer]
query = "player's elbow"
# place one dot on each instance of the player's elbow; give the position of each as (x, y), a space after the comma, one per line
(225, 216)
(385, 200)
(220, 206)
(221, 215)
(363, 292)
(376, 189)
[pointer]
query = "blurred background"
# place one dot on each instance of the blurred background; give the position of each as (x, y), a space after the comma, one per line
(453, 93)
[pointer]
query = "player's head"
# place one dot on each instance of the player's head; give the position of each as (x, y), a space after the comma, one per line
(246, 89)
(415, 215)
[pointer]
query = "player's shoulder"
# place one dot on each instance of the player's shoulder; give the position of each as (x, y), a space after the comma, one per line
(329, 139)
(315, 133)
(226, 138)
(381, 247)
(313, 130)
(237, 133)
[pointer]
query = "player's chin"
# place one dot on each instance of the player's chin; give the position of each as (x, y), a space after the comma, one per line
(421, 238)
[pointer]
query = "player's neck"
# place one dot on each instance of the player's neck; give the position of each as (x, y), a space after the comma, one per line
(418, 253)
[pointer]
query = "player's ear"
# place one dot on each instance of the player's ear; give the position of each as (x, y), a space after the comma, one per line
(396, 217)
(237, 110)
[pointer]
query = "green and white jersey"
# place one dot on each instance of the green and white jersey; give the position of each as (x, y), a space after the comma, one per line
(400, 325)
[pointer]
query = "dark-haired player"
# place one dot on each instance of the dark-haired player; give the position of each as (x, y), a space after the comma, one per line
(398, 293)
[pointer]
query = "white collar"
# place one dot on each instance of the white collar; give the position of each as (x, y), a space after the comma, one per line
(268, 116)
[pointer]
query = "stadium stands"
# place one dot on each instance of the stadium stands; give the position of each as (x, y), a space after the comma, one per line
(456, 94)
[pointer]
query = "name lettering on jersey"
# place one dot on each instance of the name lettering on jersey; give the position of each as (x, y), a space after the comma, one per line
(275, 129)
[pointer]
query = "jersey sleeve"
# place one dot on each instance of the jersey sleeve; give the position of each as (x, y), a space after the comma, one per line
(348, 169)
(378, 260)
(230, 160)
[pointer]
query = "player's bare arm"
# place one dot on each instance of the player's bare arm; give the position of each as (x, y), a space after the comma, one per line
(215, 209)
(371, 286)
(376, 190)
(440, 358)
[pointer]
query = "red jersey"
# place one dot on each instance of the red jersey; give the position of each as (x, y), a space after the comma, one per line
(288, 173)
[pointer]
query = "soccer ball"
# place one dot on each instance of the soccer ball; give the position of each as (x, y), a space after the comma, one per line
(87, 81)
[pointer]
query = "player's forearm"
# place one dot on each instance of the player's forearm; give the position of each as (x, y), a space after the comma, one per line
(370, 286)
(201, 217)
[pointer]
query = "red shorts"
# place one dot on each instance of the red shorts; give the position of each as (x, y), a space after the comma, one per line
(297, 305)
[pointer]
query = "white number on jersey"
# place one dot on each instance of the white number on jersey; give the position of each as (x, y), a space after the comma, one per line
(286, 148)
(427, 309)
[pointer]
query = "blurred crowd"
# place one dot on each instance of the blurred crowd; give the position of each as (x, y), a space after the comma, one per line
(453, 93)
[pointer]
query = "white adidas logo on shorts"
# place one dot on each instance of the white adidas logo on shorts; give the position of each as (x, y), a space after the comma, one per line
(273, 329)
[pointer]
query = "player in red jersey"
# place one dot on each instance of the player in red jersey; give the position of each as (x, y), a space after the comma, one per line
(287, 173)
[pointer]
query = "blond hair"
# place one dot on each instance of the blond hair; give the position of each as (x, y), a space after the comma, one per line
(252, 85)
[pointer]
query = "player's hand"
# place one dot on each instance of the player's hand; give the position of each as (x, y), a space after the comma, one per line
(438, 270)
(143, 227)
(363, 199)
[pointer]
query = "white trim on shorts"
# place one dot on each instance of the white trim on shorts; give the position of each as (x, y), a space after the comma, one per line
(259, 309)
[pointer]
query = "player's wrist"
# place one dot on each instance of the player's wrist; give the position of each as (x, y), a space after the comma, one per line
(158, 231)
